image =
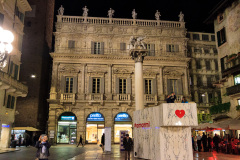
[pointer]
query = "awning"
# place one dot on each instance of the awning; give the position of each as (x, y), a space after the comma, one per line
(26, 128)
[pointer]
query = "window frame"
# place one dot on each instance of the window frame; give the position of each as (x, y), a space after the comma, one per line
(68, 86)
(96, 84)
(97, 48)
(122, 85)
(11, 100)
(221, 36)
(148, 86)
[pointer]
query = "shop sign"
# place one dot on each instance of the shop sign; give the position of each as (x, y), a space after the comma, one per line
(123, 117)
(68, 118)
(95, 117)
(6, 125)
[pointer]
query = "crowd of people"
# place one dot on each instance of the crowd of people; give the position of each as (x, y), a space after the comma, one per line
(172, 97)
(207, 143)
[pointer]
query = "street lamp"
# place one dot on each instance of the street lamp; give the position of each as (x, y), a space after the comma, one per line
(6, 38)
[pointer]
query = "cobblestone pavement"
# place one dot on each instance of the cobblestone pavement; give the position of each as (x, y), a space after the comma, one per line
(94, 152)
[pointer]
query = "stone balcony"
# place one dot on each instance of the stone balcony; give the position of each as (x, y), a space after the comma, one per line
(119, 21)
(231, 91)
(68, 98)
(150, 98)
(123, 98)
(11, 85)
(95, 98)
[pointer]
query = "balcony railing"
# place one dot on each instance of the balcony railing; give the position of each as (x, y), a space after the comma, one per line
(11, 85)
(68, 98)
(119, 21)
(119, 52)
(124, 97)
(233, 90)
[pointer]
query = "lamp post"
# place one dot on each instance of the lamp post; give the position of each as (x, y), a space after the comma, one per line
(6, 38)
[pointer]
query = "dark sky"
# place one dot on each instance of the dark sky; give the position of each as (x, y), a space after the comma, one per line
(195, 11)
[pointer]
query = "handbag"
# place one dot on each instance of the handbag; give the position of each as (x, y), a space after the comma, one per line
(100, 145)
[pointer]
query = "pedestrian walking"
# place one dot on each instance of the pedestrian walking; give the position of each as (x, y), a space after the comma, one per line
(19, 140)
(199, 140)
(127, 144)
(43, 148)
(80, 141)
(204, 142)
(216, 141)
(103, 141)
(209, 143)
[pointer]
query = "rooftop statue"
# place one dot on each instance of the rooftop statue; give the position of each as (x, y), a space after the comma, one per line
(85, 11)
(136, 42)
(134, 14)
(110, 13)
(61, 11)
(181, 17)
(157, 15)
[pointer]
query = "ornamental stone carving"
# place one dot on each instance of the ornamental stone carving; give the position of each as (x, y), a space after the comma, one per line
(69, 69)
(61, 11)
(181, 17)
(134, 14)
(157, 15)
(137, 43)
(85, 11)
(110, 13)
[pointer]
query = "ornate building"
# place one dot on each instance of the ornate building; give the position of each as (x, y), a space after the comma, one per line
(203, 72)
(12, 15)
(225, 17)
(93, 74)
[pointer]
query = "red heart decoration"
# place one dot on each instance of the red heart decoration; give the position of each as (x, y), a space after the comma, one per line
(180, 113)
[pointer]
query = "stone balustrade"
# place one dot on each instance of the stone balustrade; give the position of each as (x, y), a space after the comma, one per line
(96, 97)
(119, 21)
(11, 85)
(67, 98)
(124, 97)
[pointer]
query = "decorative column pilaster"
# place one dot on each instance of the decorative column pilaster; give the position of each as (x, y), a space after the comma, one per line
(83, 81)
(161, 80)
(53, 90)
(109, 93)
(186, 81)
(138, 56)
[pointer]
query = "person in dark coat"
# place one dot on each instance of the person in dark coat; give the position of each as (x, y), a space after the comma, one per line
(199, 141)
(103, 141)
(127, 144)
(43, 147)
(209, 143)
(216, 141)
(80, 141)
(19, 140)
(172, 98)
(204, 142)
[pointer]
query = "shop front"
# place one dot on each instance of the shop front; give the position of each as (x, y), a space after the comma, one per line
(94, 127)
(122, 121)
(67, 128)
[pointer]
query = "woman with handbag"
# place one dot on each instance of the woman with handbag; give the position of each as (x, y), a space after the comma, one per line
(43, 148)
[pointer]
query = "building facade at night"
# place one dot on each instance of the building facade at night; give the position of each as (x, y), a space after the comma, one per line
(12, 15)
(93, 74)
(203, 70)
(35, 70)
(225, 17)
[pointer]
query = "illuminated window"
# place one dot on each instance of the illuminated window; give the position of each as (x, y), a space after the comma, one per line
(237, 79)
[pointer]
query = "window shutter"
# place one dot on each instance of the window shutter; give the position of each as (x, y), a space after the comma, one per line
(16, 72)
(152, 49)
(129, 86)
(122, 46)
(154, 86)
(222, 64)
(176, 48)
(92, 47)
(167, 47)
(11, 68)
(218, 38)
(117, 85)
(204, 99)
(144, 86)
(12, 102)
(8, 101)
(75, 88)
(63, 84)
(169, 86)
(180, 86)
(71, 44)
(102, 85)
(102, 48)
(90, 84)
(223, 36)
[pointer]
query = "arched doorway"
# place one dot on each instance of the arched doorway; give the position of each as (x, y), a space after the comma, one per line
(122, 121)
(94, 127)
(67, 128)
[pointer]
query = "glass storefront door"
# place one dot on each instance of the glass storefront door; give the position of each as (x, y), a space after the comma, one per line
(94, 133)
(73, 136)
(118, 128)
(67, 132)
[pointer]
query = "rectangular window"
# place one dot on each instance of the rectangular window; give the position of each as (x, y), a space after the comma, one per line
(239, 102)
(196, 37)
(16, 72)
(197, 50)
(148, 86)
(198, 64)
(213, 37)
(220, 17)
(122, 46)
(96, 85)
(200, 97)
(20, 39)
(206, 50)
(199, 81)
(216, 65)
(71, 44)
(69, 85)
(223, 63)
(19, 14)
(10, 102)
(237, 79)
(208, 66)
(215, 51)
(205, 37)
(209, 81)
(122, 86)
(173, 85)
(210, 98)
(221, 36)
(172, 48)
(97, 48)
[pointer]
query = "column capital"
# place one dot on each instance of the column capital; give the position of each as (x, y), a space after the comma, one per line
(138, 54)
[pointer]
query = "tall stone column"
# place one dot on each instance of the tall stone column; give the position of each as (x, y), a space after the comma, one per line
(53, 90)
(110, 78)
(138, 55)
(186, 81)
(161, 80)
(83, 78)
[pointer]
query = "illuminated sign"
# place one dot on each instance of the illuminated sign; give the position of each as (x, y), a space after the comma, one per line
(123, 117)
(68, 118)
(95, 116)
(5, 125)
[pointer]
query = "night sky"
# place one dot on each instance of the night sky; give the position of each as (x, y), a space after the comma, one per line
(195, 11)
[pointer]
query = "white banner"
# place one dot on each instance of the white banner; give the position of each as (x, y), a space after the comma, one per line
(107, 146)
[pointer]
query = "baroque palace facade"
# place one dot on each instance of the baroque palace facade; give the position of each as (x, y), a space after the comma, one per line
(93, 74)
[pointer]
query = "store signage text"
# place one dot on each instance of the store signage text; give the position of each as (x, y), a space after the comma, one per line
(5, 125)
(123, 117)
(67, 118)
(95, 117)
(142, 125)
